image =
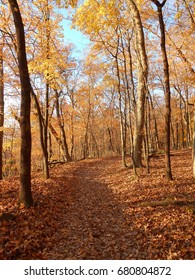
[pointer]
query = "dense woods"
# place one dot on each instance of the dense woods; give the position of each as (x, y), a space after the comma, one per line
(129, 95)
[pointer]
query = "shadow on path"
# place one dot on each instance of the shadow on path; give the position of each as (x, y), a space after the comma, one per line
(99, 222)
(93, 224)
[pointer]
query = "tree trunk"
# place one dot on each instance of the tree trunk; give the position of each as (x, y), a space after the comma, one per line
(193, 147)
(1, 110)
(62, 129)
(173, 135)
(167, 97)
(142, 83)
(183, 141)
(45, 134)
(42, 133)
(122, 124)
(72, 135)
(72, 98)
(46, 14)
(25, 195)
(177, 136)
(156, 137)
(167, 90)
(146, 138)
(187, 118)
(128, 93)
(110, 146)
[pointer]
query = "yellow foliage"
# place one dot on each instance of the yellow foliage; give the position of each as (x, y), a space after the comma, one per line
(95, 16)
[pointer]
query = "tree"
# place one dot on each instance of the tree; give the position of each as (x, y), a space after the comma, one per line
(167, 89)
(193, 146)
(67, 156)
(142, 82)
(44, 38)
(1, 106)
(48, 65)
(25, 194)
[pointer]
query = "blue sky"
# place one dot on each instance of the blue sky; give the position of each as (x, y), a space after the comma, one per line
(71, 35)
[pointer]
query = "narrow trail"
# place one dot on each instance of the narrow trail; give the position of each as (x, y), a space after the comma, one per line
(106, 214)
(93, 225)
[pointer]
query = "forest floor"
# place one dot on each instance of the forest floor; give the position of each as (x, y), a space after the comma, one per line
(96, 209)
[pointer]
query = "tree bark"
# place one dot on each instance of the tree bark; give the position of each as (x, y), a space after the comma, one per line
(122, 124)
(45, 134)
(142, 84)
(62, 129)
(25, 195)
(193, 147)
(42, 133)
(167, 89)
(46, 15)
(1, 110)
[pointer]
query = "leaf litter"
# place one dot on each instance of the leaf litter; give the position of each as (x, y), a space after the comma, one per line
(95, 209)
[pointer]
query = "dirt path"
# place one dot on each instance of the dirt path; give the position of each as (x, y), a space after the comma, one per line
(103, 218)
(93, 224)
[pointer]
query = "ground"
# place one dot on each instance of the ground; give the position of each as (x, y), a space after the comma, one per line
(96, 209)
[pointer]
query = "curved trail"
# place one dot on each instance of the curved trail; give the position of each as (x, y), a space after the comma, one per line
(104, 213)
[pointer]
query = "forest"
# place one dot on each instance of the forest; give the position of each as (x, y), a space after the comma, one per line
(97, 147)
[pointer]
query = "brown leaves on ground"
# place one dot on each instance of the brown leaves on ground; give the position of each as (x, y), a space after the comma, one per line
(95, 209)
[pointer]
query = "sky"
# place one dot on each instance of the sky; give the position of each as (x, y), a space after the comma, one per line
(71, 35)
